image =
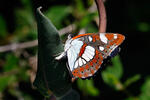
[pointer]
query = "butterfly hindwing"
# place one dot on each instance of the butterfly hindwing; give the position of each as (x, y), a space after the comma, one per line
(86, 52)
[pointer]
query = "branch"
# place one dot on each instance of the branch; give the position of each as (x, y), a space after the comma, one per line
(102, 16)
(68, 29)
(16, 46)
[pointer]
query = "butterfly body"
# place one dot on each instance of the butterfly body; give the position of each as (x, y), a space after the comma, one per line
(86, 52)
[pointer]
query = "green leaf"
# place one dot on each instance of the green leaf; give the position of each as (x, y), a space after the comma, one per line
(116, 69)
(143, 27)
(132, 98)
(87, 87)
(91, 28)
(5, 81)
(87, 19)
(52, 76)
(11, 62)
(25, 24)
(132, 80)
(113, 73)
(58, 13)
(80, 6)
(112, 80)
(145, 90)
(3, 29)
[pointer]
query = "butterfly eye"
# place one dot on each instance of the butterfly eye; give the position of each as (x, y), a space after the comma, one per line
(70, 36)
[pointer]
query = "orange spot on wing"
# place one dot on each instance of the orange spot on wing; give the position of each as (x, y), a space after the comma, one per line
(92, 71)
(86, 74)
(82, 49)
(94, 60)
(97, 52)
(95, 37)
(81, 69)
(81, 35)
(120, 39)
(87, 67)
(76, 73)
(112, 43)
(91, 63)
(97, 67)
(100, 62)
(101, 57)
(96, 56)
(109, 36)
(80, 75)
(107, 46)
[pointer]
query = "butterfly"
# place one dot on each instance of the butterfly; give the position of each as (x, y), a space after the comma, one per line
(86, 52)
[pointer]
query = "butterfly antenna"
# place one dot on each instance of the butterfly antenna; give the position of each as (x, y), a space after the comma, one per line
(72, 28)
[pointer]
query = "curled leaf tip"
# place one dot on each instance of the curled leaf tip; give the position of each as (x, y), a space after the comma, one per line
(39, 8)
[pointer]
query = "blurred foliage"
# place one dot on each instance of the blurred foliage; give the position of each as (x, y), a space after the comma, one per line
(5, 81)
(12, 74)
(11, 63)
(17, 68)
(145, 90)
(3, 29)
(57, 14)
(131, 80)
(113, 73)
(143, 27)
(87, 87)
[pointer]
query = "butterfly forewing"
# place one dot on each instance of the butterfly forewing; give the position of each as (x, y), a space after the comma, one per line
(87, 51)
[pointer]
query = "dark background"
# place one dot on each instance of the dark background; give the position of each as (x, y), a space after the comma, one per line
(128, 17)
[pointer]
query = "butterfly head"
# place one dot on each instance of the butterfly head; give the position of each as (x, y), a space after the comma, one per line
(66, 47)
(68, 43)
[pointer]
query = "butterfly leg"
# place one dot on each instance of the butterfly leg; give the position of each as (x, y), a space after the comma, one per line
(61, 56)
(73, 79)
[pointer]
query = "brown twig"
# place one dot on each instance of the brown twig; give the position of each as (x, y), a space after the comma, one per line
(102, 16)
(68, 29)
(16, 46)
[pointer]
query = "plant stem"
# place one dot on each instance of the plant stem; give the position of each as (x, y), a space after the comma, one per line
(102, 16)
